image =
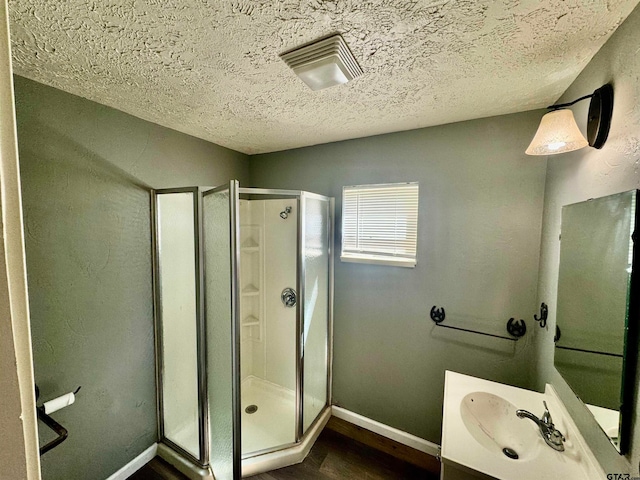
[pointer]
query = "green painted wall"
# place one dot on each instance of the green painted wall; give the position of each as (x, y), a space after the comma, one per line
(579, 176)
(480, 215)
(86, 172)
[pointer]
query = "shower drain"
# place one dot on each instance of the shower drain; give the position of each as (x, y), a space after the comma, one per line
(251, 409)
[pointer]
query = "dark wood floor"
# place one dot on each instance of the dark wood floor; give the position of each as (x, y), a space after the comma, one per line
(157, 469)
(334, 456)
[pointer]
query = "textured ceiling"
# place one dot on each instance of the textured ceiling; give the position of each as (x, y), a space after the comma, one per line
(211, 68)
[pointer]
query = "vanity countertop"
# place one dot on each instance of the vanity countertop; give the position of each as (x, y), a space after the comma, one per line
(537, 460)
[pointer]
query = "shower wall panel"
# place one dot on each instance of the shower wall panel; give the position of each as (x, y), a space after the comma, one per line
(268, 266)
(280, 272)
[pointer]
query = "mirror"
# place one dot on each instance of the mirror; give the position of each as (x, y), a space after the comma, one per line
(597, 308)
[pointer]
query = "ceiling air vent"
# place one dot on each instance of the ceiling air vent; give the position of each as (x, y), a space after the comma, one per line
(323, 63)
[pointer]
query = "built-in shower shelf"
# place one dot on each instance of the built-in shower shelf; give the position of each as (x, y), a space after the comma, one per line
(250, 321)
(252, 276)
(250, 290)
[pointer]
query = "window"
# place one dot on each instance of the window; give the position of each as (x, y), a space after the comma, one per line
(380, 224)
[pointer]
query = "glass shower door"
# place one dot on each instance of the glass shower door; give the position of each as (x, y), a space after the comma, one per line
(315, 246)
(221, 252)
(179, 342)
(268, 268)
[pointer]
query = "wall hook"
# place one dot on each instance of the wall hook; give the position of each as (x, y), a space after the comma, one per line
(544, 314)
(437, 314)
(516, 328)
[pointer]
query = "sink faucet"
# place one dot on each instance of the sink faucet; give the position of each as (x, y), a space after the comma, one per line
(552, 436)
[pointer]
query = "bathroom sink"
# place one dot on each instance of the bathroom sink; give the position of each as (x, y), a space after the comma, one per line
(492, 422)
(479, 421)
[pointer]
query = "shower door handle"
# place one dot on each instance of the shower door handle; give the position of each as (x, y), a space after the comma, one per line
(289, 297)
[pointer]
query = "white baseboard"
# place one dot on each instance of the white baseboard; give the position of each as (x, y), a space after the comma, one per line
(387, 431)
(136, 464)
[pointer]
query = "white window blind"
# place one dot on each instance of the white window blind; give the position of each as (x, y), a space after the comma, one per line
(380, 224)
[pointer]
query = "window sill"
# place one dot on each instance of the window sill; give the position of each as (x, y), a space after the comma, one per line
(389, 261)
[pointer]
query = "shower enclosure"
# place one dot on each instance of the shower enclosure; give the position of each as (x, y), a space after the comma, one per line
(243, 290)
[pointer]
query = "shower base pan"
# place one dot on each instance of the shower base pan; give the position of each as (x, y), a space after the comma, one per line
(287, 456)
(273, 423)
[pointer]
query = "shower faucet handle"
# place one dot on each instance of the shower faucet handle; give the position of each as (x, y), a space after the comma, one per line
(289, 297)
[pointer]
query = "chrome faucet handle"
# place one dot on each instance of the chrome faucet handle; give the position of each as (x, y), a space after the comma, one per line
(546, 416)
(553, 434)
(556, 437)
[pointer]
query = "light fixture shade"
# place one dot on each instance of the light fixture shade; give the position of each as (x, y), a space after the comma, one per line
(557, 133)
(323, 63)
(323, 73)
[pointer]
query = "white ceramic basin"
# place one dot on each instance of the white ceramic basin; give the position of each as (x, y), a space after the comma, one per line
(492, 422)
(477, 425)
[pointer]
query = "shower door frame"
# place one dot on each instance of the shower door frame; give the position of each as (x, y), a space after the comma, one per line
(203, 410)
(274, 194)
(302, 267)
(234, 251)
(300, 196)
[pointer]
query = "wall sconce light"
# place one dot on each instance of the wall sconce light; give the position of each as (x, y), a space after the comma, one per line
(559, 133)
